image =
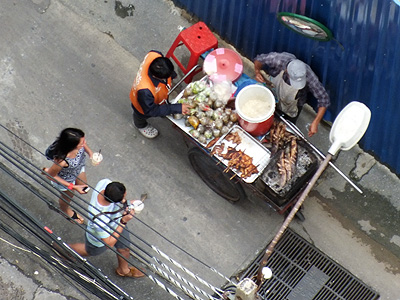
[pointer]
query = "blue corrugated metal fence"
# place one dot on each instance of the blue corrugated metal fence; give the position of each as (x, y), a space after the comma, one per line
(364, 69)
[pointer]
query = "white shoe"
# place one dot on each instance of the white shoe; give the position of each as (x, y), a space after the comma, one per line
(149, 131)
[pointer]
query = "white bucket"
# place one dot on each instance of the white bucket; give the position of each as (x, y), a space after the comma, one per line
(255, 106)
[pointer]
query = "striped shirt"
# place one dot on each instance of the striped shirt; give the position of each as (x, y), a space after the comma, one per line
(104, 224)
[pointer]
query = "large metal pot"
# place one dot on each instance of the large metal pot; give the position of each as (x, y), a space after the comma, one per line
(255, 106)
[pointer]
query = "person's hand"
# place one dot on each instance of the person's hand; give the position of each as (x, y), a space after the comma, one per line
(128, 210)
(186, 108)
(128, 215)
(313, 129)
(314, 125)
(258, 65)
(259, 77)
(79, 188)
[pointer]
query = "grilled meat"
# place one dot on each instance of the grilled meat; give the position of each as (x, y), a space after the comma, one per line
(240, 161)
(247, 172)
(282, 139)
(234, 137)
(282, 169)
(229, 153)
(287, 162)
(279, 137)
(218, 149)
(293, 151)
(212, 142)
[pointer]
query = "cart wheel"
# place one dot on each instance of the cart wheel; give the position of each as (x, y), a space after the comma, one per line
(214, 177)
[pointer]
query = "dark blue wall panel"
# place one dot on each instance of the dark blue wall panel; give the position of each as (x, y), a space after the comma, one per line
(361, 63)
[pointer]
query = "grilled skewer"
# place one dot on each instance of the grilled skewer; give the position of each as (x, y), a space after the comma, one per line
(237, 159)
(212, 142)
(218, 149)
(234, 138)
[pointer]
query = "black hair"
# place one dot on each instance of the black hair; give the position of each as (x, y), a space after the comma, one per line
(67, 141)
(114, 192)
(161, 67)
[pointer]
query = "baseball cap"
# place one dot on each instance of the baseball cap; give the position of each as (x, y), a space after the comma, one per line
(297, 73)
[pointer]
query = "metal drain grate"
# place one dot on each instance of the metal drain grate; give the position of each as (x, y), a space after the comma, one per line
(302, 272)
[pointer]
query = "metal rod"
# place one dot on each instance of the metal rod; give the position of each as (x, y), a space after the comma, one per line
(301, 135)
(182, 79)
(290, 217)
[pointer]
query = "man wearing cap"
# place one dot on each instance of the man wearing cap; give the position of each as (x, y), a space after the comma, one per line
(291, 80)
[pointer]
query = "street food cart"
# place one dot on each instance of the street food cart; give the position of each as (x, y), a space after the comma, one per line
(264, 153)
(231, 152)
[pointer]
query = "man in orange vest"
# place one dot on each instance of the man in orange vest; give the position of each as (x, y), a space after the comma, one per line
(149, 93)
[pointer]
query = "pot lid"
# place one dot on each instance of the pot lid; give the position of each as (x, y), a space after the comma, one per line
(223, 64)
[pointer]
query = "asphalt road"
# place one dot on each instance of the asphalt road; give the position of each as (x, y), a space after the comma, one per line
(72, 63)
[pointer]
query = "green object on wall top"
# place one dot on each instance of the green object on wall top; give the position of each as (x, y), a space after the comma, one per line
(305, 26)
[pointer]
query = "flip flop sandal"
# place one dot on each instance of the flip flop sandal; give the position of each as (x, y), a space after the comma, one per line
(77, 218)
(133, 272)
(149, 132)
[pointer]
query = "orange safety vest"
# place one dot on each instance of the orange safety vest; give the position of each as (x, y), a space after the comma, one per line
(143, 81)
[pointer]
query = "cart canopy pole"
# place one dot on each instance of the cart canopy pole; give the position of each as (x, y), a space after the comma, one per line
(182, 79)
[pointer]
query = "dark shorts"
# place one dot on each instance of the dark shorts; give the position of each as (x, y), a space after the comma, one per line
(93, 250)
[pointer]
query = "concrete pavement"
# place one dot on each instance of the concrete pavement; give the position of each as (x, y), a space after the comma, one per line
(71, 63)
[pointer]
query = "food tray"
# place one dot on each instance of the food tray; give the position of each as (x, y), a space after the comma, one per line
(250, 146)
(268, 182)
(181, 122)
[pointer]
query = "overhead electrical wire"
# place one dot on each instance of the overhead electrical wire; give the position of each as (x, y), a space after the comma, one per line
(164, 267)
(35, 173)
(21, 217)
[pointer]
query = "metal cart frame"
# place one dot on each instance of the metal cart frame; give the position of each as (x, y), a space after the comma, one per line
(225, 184)
(211, 171)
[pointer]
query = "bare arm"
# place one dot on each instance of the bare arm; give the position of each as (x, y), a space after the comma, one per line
(88, 150)
(314, 125)
(112, 239)
(55, 169)
(257, 70)
(261, 75)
